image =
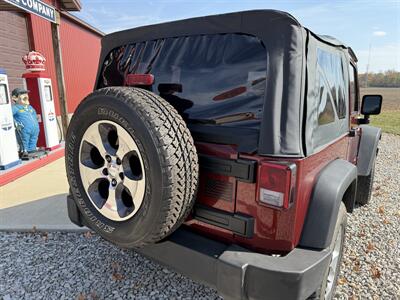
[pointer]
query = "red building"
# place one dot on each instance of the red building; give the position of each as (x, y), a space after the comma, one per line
(21, 32)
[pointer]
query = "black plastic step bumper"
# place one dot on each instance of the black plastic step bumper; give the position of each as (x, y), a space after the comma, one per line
(238, 273)
(235, 272)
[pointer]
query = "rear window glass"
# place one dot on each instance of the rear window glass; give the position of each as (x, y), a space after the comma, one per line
(215, 79)
(330, 70)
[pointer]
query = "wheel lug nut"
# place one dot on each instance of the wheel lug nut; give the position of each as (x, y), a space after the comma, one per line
(114, 182)
(118, 161)
(121, 175)
(105, 171)
(108, 158)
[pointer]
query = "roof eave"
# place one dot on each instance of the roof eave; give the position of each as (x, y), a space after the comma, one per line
(71, 5)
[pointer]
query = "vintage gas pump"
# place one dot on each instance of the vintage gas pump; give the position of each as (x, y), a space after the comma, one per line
(42, 100)
(8, 142)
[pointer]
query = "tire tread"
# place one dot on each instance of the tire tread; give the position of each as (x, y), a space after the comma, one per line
(177, 152)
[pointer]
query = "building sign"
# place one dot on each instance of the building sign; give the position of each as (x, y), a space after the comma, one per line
(36, 7)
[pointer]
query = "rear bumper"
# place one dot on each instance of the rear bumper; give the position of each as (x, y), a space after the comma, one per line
(234, 271)
(238, 273)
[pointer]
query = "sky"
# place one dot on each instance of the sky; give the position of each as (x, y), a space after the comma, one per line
(369, 27)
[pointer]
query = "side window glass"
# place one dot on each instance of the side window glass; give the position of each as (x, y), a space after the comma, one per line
(331, 67)
(326, 112)
(353, 89)
(341, 89)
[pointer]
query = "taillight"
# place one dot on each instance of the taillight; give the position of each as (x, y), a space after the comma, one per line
(277, 183)
(139, 79)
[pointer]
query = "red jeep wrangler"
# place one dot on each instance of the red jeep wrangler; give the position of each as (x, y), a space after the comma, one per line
(228, 147)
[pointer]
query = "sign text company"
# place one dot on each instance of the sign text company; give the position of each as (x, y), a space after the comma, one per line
(36, 7)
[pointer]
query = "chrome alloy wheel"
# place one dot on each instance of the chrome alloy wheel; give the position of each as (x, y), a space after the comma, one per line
(112, 170)
(334, 266)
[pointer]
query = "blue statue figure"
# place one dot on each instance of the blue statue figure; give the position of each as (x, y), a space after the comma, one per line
(26, 120)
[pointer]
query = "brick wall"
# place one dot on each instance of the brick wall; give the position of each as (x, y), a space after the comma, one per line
(14, 44)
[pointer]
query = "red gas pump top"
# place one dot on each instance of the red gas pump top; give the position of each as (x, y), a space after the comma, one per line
(34, 61)
(35, 75)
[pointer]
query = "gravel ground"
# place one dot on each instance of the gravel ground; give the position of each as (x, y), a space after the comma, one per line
(83, 266)
(371, 263)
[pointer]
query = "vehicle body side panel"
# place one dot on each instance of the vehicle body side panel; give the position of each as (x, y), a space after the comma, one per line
(328, 192)
(354, 143)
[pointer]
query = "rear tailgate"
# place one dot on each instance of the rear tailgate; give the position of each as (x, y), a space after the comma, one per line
(220, 170)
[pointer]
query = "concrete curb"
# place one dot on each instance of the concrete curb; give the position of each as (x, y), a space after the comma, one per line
(28, 228)
(30, 166)
(44, 215)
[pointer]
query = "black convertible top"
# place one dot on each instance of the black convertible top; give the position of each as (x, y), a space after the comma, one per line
(259, 23)
(284, 39)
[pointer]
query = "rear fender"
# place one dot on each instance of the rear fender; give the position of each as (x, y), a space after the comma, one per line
(336, 183)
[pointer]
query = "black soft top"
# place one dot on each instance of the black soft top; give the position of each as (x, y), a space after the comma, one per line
(284, 38)
(259, 23)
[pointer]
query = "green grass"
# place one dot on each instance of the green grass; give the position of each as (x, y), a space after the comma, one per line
(388, 120)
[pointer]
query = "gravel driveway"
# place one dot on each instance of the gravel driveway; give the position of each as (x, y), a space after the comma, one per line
(371, 264)
(83, 266)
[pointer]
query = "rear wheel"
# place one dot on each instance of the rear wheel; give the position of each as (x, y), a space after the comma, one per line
(327, 289)
(364, 187)
(131, 165)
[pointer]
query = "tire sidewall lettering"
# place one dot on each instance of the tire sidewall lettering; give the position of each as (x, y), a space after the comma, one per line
(144, 120)
(94, 218)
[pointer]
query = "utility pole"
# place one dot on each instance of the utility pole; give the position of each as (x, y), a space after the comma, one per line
(55, 35)
(366, 71)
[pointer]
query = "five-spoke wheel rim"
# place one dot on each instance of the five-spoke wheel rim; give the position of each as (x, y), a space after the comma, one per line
(112, 170)
(333, 266)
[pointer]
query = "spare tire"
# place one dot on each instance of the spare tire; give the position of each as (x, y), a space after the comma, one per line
(131, 165)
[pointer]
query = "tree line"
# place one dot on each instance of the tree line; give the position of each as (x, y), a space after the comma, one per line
(388, 78)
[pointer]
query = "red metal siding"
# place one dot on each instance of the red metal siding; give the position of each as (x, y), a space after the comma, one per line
(41, 41)
(80, 51)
